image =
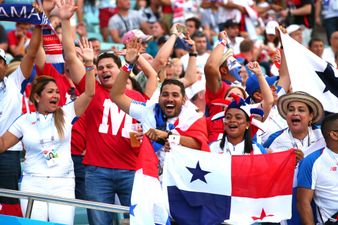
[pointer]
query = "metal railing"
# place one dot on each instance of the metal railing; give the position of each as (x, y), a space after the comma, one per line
(59, 200)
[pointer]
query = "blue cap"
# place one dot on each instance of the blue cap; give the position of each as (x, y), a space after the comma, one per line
(252, 84)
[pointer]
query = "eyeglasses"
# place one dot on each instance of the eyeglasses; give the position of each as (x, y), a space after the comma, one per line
(72, 93)
(106, 53)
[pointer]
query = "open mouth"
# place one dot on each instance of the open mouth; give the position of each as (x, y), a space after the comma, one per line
(295, 121)
(54, 102)
(170, 107)
(106, 77)
(232, 126)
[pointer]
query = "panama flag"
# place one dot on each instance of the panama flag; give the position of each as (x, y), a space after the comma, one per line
(147, 202)
(311, 74)
(205, 188)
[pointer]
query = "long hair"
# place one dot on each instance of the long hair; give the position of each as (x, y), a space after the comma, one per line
(247, 138)
(38, 85)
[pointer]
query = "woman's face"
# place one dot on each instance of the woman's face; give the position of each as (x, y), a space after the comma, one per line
(298, 117)
(49, 98)
(235, 91)
(235, 123)
(129, 85)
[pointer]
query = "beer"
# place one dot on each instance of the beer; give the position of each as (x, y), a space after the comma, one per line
(134, 142)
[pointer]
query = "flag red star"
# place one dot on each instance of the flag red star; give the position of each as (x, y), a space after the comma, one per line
(262, 216)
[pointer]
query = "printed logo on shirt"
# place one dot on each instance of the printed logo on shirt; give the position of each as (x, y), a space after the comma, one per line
(333, 168)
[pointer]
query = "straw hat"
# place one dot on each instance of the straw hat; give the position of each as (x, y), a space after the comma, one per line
(300, 96)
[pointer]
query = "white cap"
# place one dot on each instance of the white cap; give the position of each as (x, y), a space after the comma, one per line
(270, 27)
(3, 54)
(293, 27)
(195, 88)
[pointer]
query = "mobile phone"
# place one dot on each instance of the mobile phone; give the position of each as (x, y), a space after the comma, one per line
(182, 29)
(183, 44)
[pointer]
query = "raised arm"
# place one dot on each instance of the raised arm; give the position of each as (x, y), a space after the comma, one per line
(87, 53)
(117, 91)
(165, 51)
(267, 95)
(151, 75)
(7, 140)
(66, 10)
(211, 69)
(191, 73)
(284, 77)
(27, 62)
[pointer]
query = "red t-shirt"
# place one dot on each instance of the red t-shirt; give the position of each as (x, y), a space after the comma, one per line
(12, 38)
(61, 81)
(78, 141)
(108, 143)
(215, 127)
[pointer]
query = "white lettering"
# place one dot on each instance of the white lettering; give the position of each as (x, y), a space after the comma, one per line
(3, 12)
(116, 118)
(34, 13)
(23, 12)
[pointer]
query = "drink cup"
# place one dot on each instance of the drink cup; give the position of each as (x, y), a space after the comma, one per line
(134, 142)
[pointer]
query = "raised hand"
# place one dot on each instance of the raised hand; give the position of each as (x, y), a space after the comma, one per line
(87, 52)
(223, 36)
(191, 42)
(133, 48)
(174, 29)
(66, 9)
(255, 68)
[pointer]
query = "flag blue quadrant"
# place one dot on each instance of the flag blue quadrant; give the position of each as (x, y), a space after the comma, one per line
(193, 208)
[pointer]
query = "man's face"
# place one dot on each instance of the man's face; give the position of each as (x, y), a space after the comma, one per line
(297, 35)
(96, 47)
(232, 31)
(201, 44)
(191, 28)
(171, 100)
(334, 41)
(107, 72)
(317, 47)
(123, 4)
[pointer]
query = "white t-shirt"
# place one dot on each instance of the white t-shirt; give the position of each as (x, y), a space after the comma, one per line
(11, 102)
(232, 149)
(319, 172)
(38, 134)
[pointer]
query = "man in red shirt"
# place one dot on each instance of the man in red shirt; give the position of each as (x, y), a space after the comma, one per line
(18, 39)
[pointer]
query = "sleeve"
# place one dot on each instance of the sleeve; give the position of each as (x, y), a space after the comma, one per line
(69, 111)
(16, 128)
(113, 23)
(48, 69)
(17, 77)
(137, 109)
(307, 174)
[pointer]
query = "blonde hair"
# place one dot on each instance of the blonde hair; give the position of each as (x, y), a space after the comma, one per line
(38, 85)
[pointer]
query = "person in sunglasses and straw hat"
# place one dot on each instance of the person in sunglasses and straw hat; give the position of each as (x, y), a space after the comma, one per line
(302, 113)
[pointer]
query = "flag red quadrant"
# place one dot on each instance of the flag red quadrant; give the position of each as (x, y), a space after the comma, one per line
(256, 176)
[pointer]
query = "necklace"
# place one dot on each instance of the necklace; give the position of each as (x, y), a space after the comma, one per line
(294, 143)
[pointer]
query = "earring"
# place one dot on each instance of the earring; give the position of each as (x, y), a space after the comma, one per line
(310, 122)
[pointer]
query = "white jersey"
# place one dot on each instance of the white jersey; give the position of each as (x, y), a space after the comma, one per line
(39, 135)
(11, 102)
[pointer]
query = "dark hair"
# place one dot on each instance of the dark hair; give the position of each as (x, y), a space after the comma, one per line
(93, 39)
(38, 85)
(135, 84)
(245, 95)
(247, 137)
(196, 21)
(198, 34)
(174, 82)
(314, 40)
(329, 123)
(109, 54)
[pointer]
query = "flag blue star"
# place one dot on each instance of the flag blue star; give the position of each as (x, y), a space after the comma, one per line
(131, 209)
(198, 173)
(329, 79)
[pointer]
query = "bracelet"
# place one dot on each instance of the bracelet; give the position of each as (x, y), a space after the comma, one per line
(222, 42)
(174, 34)
(169, 133)
(89, 68)
(127, 67)
(174, 139)
(193, 54)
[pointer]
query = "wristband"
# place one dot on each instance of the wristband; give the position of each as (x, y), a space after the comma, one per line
(174, 139)
(222, 42)
(89, 68)
(193, 54)
(127, 67)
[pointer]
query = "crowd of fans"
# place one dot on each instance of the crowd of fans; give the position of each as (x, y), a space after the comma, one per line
(210, 75)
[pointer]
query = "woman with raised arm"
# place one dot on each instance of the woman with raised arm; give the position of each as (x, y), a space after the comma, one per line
(46, 136)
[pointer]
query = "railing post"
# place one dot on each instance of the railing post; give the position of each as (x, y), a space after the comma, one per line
(29, 208)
